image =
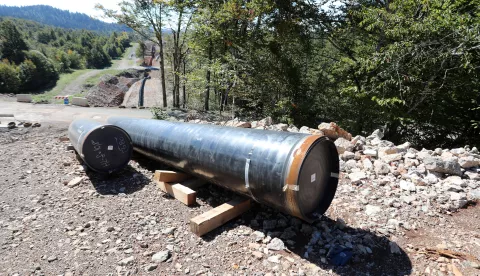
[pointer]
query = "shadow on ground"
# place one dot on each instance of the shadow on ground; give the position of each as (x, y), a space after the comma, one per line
(297, 235)
(127, 181)
(148, 163)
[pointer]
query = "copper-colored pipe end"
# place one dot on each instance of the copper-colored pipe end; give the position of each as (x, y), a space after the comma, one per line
(319, 177)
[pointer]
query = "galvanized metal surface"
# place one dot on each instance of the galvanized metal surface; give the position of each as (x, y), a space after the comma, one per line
(104, 148)
(293, 172)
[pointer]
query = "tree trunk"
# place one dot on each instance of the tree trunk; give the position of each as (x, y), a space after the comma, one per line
(177, 61)
(215, 89)
(222, 101)
(177, 88)
(185, 83)
(162, 68)
(175, 73)
(207, 90)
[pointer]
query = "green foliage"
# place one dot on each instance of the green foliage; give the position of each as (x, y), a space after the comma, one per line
(116, 45)
(258, 55)
(55, 51)
(410, 67)
(158, 113)
(44, 74)
(11, 42)
(72, 49)
(63, 61)
(75, 60)
(9, 80)
(46, 36)
(96, 57)
(423, 78)
(27, 72)
(140, 51)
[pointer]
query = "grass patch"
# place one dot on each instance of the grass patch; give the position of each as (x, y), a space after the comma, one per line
(80, 95)
(65, 79)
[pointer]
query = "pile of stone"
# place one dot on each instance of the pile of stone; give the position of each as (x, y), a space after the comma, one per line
(331, 130)
(111, 90)
(446, 179)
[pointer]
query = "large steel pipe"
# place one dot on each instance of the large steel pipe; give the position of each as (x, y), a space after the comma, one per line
(293, 172)
(104, 148)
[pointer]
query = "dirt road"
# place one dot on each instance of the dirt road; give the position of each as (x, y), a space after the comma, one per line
(128, 61)
(61, 113)
(76, 85)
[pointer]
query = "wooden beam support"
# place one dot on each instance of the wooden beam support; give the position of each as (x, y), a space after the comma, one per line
(170, 176)
(182, 193)
(206, 222)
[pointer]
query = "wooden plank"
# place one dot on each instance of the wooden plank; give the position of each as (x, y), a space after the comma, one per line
(161, 185)
(206, 222)
(170, 176)
(183, 194)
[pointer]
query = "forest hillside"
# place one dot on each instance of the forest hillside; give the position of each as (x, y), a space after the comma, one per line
(60, 18)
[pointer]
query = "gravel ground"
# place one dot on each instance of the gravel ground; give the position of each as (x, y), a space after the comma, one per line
(58, 219)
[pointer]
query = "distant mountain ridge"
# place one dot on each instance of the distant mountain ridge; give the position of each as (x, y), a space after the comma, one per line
(60, 18)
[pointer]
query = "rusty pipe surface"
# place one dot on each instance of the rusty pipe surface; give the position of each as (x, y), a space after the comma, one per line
(104, 148)
(293, 172)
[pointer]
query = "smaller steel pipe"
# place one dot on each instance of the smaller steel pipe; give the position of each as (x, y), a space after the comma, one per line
(141, 94)
(104, 148)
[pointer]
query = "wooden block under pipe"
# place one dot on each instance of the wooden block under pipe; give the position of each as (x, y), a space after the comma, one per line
(182, 193)
(206, 222)
(170, 176)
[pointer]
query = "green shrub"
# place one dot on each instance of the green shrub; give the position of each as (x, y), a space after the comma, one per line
(97, 58)
(63, 61)
(158, 113)
(12, 43)
(26, 73)
(76, 61)
(9, 80)
(45, 75)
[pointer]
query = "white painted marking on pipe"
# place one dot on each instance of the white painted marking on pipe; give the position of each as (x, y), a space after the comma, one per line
(295, 188)
(110, 147)
(247, 167)
(313, 177)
